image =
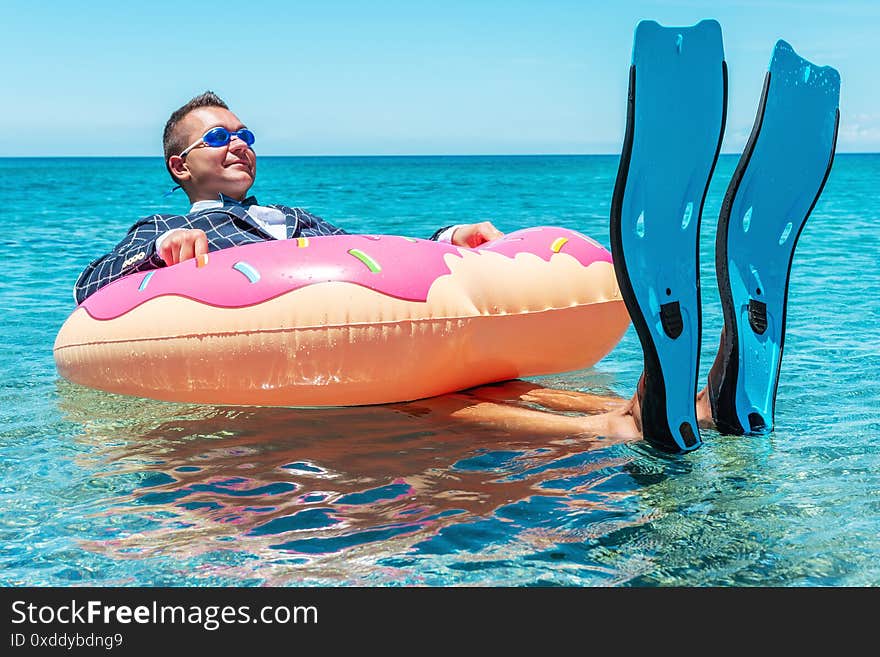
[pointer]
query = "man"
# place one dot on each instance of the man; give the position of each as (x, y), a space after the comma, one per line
(209, 154)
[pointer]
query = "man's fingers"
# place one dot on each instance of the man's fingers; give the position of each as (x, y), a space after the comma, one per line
(169, 250)
(187, 248)
(171, 246)
(183, 244)
(489, 230)
(496, 234)
(201, 247)
(484, 232)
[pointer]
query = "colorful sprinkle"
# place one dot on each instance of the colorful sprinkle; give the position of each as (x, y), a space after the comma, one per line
(146, 281)
(202, 260)
(558, 243)
(248, 270)
(302, 242)
(371, 264)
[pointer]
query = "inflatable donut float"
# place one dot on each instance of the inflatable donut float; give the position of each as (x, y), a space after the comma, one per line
(348, 320)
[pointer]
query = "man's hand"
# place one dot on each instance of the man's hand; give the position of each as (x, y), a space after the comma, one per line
(473, 235)
(182, 244)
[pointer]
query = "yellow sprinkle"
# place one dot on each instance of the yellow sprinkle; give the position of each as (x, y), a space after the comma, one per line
(558, 243)
(202, 260)
(302, 242)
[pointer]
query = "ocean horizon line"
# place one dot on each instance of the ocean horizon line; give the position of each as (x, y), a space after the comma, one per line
(371, 155)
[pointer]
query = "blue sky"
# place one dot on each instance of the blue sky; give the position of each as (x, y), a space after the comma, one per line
(383, 77)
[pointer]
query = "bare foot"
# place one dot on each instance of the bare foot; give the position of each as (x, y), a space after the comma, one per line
(704, 410)
(626, 422)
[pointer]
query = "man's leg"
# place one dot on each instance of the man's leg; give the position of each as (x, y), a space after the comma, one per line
(531, 411)
(528, 395)
(513, 404)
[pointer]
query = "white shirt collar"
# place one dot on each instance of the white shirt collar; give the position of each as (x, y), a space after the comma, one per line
(261, 213)
(198, 206)
(220, 201)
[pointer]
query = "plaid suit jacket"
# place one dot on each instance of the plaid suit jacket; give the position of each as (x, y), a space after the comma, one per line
(225, 227)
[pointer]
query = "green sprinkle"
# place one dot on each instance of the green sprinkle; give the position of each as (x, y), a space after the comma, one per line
(371, 264)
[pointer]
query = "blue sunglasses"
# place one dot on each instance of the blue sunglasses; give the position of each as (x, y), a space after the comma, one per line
(220, 136)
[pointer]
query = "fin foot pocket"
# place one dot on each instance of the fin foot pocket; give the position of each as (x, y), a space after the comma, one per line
(758, 316)
(688, 434)
(670, 318)
(757, 423)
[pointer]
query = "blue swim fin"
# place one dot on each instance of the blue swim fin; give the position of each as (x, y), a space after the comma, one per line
(675, 121)
(778, 180)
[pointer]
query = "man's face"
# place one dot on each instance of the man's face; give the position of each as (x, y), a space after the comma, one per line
(206, 172)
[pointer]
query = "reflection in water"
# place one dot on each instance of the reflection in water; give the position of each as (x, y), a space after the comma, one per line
(358, 494)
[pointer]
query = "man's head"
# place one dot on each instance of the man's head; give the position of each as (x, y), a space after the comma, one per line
(205, 171)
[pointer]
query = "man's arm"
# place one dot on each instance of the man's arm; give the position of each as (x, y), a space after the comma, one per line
(137, 252)
(310, 225)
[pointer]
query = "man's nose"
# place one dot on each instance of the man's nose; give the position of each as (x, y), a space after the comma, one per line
(237, 144)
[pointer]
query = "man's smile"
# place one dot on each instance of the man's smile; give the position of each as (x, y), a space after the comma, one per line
(244, 164)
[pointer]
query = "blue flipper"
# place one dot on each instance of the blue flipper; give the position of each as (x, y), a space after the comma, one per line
(675, 122)
(778, 180)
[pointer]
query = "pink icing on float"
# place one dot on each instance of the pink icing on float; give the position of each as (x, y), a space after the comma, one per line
(399, 267)
(346, 320)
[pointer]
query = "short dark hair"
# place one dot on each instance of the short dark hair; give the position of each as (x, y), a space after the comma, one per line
(172, 142)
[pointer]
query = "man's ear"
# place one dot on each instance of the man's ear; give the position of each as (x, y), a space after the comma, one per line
(177, 165)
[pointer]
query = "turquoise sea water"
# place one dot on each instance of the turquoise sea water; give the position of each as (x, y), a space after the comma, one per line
(99, 489)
